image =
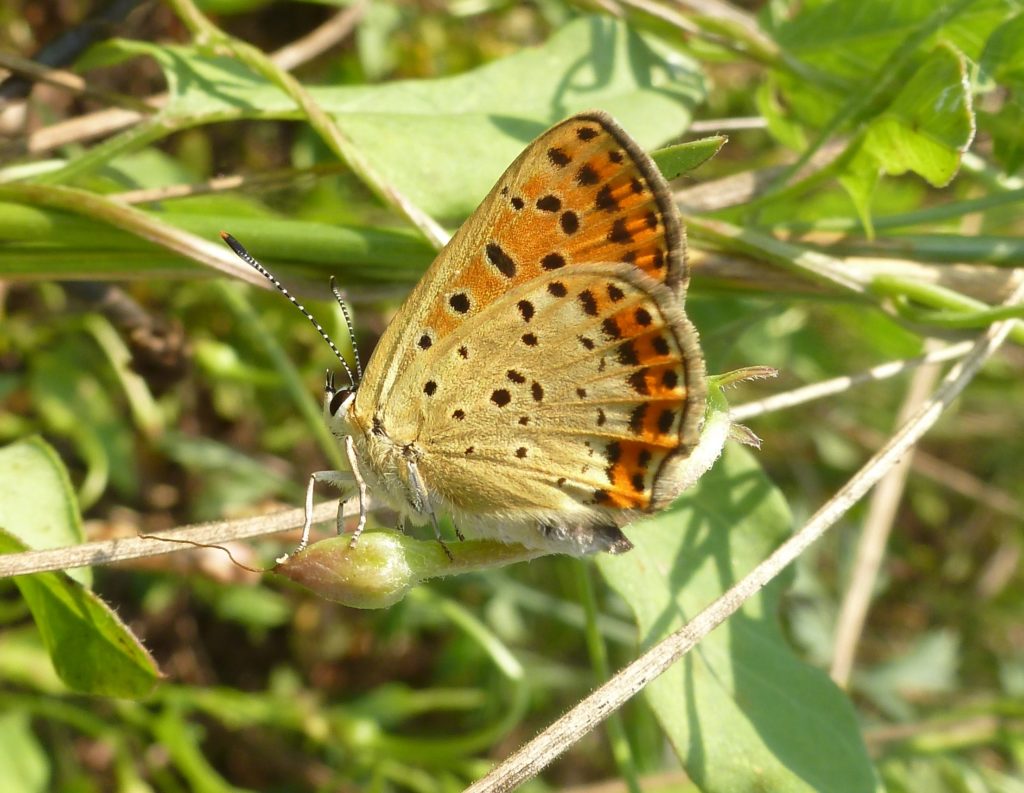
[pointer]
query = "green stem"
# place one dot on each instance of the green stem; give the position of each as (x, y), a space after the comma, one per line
(134, 221)
(973, 319)
(935, 214)
(621, 750)
(951, 248)
(815, 266)
(955, 309)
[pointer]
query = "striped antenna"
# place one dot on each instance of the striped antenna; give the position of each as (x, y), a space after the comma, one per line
(246, 257)
(351, 330)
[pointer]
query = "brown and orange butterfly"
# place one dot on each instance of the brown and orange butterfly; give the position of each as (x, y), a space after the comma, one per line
(541, 384)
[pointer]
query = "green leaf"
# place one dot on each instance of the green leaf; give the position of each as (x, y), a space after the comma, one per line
(859, 179)
(89, 246)
(33, 475)
(674, 161)
(71, 389)
(929, 124)
(89, 646)
(742, 711)
(444, 142)
(1003, 57)
(24, 766)
(846, 42)
(849, 39)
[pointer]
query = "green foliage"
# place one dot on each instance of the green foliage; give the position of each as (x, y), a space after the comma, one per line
(34, 475)
(91, 649)
(742, 681)
(875, 207)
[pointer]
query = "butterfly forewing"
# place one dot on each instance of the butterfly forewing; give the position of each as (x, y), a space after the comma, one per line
(583, 192)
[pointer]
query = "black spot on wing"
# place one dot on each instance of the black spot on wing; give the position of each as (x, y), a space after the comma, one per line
(587, 301)
(552, 261)
(586, 176)
(501, 397)
(549, 203)
(558, 157)
(501, 260)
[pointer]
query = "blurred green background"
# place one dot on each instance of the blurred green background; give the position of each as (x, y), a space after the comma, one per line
(882, 137)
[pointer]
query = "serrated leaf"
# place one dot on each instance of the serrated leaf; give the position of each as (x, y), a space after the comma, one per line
(33, 475)
(444, 142)
(742, 711)
(92, 651)
(929, 125)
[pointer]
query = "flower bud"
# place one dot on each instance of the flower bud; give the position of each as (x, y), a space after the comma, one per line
(384, 565)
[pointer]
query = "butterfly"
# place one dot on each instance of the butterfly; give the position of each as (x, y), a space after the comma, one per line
(542, 384)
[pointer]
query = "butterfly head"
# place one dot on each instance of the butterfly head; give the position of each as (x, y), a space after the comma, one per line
(337, 401)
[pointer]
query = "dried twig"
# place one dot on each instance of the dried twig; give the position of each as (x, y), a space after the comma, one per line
(874, 537)
(119, 550)
(70, 81)
(111, 120)
(837, 385)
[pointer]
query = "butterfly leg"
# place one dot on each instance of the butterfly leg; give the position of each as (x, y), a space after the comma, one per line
(342, 480)
(350, 453)
(423, 504)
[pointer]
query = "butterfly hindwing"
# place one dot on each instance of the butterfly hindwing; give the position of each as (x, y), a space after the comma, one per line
(572, 407)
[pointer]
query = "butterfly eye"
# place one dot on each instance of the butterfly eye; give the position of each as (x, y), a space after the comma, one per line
(338, 399)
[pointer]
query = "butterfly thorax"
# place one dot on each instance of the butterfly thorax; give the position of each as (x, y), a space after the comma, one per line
(388, 459)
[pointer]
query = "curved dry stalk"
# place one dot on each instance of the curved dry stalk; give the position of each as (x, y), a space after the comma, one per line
(110, 120)
(713, 126)
(531, 758)
(746, 186)
(250, 182)
(874, 538)
(122, 549)
(945, 474)
(69, 81)
(85, 128)
(321, 38)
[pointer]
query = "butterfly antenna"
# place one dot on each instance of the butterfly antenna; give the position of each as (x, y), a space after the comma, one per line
(351, 330)
(247, 257)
